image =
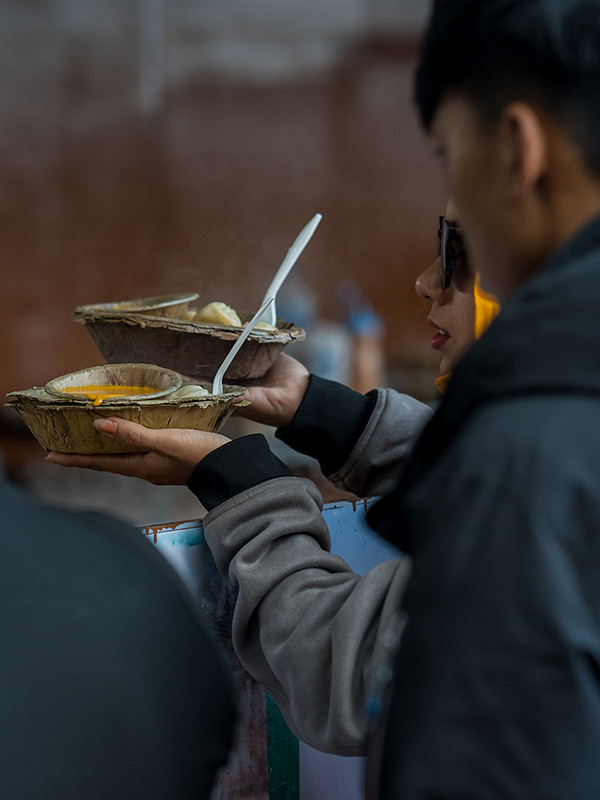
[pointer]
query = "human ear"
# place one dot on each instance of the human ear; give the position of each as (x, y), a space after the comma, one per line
(524, 148)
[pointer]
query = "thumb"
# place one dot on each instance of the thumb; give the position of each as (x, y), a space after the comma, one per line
(125, 431)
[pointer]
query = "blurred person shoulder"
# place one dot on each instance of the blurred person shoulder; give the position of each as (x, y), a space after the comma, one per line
(107, 661)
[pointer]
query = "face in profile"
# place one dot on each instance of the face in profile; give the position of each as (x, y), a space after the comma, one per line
(448, 284)
(474, 162)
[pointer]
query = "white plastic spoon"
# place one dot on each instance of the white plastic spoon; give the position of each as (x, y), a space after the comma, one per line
(217, 387)
(293, 254)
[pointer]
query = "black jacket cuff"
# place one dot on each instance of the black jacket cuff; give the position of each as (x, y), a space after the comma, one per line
(233, 468)
(328, 422)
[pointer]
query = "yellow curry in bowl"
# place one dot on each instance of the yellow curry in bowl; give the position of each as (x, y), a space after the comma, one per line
(99, 393)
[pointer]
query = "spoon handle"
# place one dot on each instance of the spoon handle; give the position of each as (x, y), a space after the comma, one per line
(293, 254)
(217, 387)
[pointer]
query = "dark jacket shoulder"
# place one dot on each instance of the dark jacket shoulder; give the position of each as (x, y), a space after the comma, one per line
(106, 662)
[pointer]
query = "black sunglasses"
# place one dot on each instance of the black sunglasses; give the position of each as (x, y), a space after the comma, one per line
(450, 248)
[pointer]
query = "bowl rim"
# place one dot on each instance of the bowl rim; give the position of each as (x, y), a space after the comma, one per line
(37, 397)
(140, 304)
(52, 386)
(286, 332)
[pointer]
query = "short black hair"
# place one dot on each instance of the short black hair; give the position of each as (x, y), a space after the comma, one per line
(544, 52)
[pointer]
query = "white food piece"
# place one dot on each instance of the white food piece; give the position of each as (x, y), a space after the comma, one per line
(218, 314)
(190, 390)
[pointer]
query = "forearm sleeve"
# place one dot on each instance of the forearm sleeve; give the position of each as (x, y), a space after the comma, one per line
(360, 441)
(305, 624)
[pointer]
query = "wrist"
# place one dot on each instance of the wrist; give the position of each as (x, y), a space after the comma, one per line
(246, 462)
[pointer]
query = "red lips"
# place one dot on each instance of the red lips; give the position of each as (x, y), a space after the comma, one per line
(440, 338)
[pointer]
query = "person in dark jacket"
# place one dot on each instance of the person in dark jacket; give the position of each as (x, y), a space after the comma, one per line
(495, 691)
(111, 685)
(497, 682)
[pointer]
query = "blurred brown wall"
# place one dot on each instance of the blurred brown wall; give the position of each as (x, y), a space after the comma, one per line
(108, 194)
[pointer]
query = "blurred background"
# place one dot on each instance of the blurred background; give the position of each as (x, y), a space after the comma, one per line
(157, 146)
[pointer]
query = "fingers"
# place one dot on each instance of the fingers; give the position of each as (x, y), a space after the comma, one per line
(166, 456)
(182, 443)
(125, 464)
(147, 466)
(124, 431)
(127, 432)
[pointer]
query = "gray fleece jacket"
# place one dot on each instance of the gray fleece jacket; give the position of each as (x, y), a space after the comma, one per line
(305, 625)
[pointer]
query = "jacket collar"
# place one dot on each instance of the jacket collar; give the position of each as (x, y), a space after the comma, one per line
(546, 339)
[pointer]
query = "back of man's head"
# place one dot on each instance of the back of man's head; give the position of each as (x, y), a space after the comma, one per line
(493, 52)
